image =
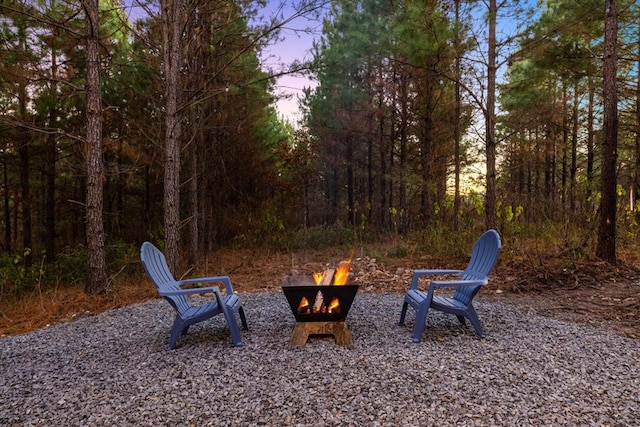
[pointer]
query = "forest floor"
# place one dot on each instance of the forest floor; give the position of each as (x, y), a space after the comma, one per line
(591, 292)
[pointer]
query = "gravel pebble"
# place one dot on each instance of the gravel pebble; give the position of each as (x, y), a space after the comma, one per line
(114, 369)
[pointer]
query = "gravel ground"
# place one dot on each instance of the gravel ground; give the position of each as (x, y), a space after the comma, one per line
(114, 369)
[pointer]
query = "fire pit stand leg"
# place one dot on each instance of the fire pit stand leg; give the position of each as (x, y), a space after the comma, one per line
(303, 330)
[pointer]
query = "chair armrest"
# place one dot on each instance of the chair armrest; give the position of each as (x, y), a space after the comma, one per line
(419, 273)
(221, 279)
(190, 291)
(456, 283)
(433, 272)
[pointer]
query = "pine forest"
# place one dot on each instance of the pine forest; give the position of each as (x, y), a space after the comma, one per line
(131, 120)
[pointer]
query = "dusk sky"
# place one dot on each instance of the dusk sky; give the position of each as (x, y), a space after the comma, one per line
(296, 45)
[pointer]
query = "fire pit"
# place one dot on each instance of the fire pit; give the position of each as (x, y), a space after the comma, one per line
(321, 309)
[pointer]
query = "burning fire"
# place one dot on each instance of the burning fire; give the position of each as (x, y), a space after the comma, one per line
(317, 277)
(303, 307)
(334, 306)
(340, 274)
(318, 305)
(337, 276)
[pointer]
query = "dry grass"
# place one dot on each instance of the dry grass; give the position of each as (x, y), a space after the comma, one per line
(29, 311)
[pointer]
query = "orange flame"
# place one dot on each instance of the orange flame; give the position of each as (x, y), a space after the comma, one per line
(317, 277)
(303, 307)
(334, 306)
(342, 273)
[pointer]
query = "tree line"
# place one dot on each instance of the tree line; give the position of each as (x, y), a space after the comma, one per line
(128, 121)
(408, 106)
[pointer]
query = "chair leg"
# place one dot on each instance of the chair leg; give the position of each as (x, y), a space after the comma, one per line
(243, 319)
(420, 322)
(473, 317)
(232, 323)
(177, 331)
(403, 313)
(235, 332)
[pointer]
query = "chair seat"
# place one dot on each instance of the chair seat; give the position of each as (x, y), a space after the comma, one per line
(446, 302)
(417, 297)
(200, 310)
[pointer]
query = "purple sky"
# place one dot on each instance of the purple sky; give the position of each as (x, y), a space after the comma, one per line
(296, 45)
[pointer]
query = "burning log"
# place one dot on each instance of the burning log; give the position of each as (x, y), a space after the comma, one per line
(334, 306)
(318, 304)
(327, 277)
(303, 307)
(342, 275)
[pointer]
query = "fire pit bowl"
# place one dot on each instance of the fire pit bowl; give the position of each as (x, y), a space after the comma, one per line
(320, 303)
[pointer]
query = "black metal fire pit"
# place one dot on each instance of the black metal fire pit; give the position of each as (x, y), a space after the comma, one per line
(317, 303)
(319, 309)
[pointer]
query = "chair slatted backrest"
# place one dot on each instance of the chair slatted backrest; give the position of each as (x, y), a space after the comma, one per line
(483, 258)
(156, 266)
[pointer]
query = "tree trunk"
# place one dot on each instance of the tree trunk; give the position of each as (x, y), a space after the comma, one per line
(490, 202)
(606, 248)
(349, 160)
(382, 160)
(456, 117)
(25, 194)
(590, 143)
(194, 194)
(171, 42)
(636, 180)
(427, 153)
(198, 54)
(7, 210)
(96, 268)
(23, 149)
(50, 165)
(403, 155)
(574, 149)
(564, 178)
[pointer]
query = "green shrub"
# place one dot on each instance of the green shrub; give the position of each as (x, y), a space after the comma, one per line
(323, 236)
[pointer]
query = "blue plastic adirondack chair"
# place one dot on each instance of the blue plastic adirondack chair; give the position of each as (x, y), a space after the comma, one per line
(228, 304)
(484, 257)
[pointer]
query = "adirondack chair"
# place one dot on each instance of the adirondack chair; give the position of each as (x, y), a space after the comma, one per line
(228, 304)
(483, 258)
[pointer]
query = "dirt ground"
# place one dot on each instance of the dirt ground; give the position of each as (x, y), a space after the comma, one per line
(594, 293)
